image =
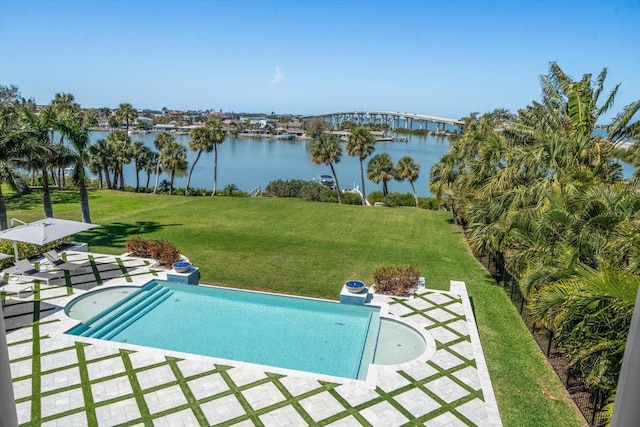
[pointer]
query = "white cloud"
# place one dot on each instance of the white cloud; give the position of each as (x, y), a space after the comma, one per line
(277, 76)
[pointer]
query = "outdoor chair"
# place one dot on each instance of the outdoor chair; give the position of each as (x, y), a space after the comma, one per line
(25, 271)
(59, 264)
(14, 288)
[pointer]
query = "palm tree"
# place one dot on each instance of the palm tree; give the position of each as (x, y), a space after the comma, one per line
(200, 141)
(216, 132)
(78, 129)
(138, 153)
(120, 155)
(590, 314)
(38, 126)
(126, 113)
(101, 157)
(408, 169)
(380, 168)
(162, 140)
(15, 146)
(151, 160)
(327, 150)
(173, 157)
(361, 144)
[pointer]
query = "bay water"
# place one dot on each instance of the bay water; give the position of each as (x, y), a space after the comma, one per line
(249, 163)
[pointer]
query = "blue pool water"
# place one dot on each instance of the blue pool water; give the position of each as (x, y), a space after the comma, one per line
(288, 332)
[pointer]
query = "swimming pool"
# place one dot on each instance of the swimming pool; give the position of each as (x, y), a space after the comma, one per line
(288, 332)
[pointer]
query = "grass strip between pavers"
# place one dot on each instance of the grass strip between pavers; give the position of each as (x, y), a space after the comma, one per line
(89, 403)
(145, 414)
(192, 402)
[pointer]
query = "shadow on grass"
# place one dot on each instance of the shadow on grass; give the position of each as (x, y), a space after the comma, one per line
(33, 199)
(116, 234)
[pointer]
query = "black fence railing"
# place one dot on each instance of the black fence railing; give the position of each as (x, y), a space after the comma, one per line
(590, 400)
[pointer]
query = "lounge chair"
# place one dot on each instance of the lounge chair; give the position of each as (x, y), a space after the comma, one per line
(15, 288)
(59, 264)
(25, 271)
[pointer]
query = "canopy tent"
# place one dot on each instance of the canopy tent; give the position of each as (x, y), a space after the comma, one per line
(42, 231)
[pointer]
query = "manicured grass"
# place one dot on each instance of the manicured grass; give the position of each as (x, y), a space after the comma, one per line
(311, 249)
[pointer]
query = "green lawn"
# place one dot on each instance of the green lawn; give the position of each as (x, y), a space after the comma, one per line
(310, 249)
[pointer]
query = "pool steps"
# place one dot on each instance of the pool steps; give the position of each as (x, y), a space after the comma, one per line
(107, 324)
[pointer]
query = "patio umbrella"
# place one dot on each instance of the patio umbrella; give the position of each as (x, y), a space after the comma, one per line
(43, 231)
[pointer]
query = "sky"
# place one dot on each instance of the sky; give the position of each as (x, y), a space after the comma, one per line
(441, 58)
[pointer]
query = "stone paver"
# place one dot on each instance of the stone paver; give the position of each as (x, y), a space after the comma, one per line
(125, 385)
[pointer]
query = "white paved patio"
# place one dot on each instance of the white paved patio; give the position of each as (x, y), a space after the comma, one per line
(64, 380)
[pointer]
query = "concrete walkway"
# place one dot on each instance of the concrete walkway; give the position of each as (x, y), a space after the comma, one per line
(64, 380)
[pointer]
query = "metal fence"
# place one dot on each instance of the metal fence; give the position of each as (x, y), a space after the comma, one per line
(590, 400)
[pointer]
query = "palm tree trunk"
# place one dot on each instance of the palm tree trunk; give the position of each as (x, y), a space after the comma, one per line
(155, 188)
(415, 196)
(215, 169)
(193, 165)
(107, 176)
(364, 196)
(335, 179)
(148, 179)
(116, 169)
(46, 197)
(137, 177)
(84, 202)
(53, 176)
(3, 211)
(121, 177)
(173, 174)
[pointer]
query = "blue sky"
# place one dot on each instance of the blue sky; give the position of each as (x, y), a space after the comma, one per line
(431, 57)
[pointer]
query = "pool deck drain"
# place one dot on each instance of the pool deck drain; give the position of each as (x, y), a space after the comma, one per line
(60, 380)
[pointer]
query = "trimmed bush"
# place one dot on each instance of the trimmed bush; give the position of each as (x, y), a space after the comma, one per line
(351, 199)
(166, 253)
(396, 280)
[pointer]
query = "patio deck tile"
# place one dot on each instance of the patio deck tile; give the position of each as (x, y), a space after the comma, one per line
(283, 417)
(321, 406)
(223, 409)
(209, 385)
(384, 415)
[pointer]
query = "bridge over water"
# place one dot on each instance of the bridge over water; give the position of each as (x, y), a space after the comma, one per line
(392, 118)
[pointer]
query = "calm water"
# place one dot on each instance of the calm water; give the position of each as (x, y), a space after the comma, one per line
(250, 163)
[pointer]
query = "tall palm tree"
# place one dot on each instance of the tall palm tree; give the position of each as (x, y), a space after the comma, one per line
(214, 127)
(138, 152)
(121, 155)
(78, 129)
(173, 157)
(150, 166)
(162, 140)
(327, 150)
(15, 146)
(126, 113)
(101, 155)
(361, 144)
(201, 141)
(380, 169)
(408, 169)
